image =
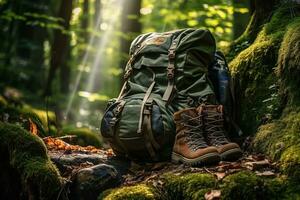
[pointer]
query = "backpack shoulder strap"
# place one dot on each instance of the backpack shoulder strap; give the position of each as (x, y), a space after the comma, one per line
(171, 70)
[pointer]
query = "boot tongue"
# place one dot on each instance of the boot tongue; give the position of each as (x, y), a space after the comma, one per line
(183, 113)
(215, 108)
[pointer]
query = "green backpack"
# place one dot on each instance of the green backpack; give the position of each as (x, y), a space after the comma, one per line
(165, 73)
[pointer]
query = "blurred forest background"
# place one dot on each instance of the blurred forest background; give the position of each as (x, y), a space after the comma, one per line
(68, 56)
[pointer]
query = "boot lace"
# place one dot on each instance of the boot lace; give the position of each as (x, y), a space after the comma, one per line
(215, 128)
(194, 131)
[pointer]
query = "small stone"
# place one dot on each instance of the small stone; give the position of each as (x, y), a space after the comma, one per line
(89, 182)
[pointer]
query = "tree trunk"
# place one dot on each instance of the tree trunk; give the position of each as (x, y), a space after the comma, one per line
(59, 48)
(262, 12)
(131, 26)
(29, 47)
(263, 58)
(85, 20)
(240, 20)
(97, 12)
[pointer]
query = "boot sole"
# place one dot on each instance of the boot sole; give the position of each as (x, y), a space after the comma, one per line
(231, 154)
(209, 158)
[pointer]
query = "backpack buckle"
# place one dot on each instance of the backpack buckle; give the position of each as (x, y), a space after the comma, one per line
(170, 71)
(113, 121)
(171, 54)
(127, 73)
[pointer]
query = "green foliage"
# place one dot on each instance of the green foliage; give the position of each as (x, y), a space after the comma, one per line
(215, 15)
(40, 179)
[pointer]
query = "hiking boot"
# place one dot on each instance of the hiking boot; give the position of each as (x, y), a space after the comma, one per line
(215, 132)
(190, 146)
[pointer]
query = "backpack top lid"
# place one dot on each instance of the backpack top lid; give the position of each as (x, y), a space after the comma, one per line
(180, 56)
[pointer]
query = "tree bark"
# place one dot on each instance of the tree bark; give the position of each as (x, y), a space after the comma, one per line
(29, 47)
(85, 20)
(97, 12)
(59, 48)
(130, 27)
(262, 12)
(240, 20)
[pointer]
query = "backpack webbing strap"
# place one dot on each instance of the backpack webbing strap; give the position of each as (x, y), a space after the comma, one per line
(233, 117)
(129, 69)
(150, 142)
(170, 71)
(147, 94)
(114, 122)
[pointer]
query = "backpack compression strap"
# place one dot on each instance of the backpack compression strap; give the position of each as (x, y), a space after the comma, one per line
(128, 71)
(171, 70)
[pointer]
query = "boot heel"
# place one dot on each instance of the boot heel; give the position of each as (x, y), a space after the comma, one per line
(175, 158)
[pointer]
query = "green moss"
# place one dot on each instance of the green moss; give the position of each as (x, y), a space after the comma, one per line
(138, 192)
(190, 186)
(281, 141)
(42, 115)
(3, 102)
(84, 137)
(17, 116)
(246, 185)
(254, 73)
(40, 179)
(289, 63)
(242, 185)
(290, 161)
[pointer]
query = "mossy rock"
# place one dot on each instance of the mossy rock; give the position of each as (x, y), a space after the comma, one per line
(15, 115)
(137, 192)
(84, 136)
(247, 185)
(281, 141)
(189, 186)
(42, 115)
(3, 102)
(289, 63)
(193, 186)
(266, 77)
(26, 155)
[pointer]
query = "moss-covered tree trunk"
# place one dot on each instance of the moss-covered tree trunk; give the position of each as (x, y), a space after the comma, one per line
(262, 12)
(265, 68)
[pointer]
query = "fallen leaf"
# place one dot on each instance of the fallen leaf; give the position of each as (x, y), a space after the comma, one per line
(265, 173)
(220, 175)
(213, 195)
(257, 164)
(32, 127)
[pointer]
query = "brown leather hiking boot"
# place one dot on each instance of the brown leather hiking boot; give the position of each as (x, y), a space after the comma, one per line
(190, 146)
(213, 116)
